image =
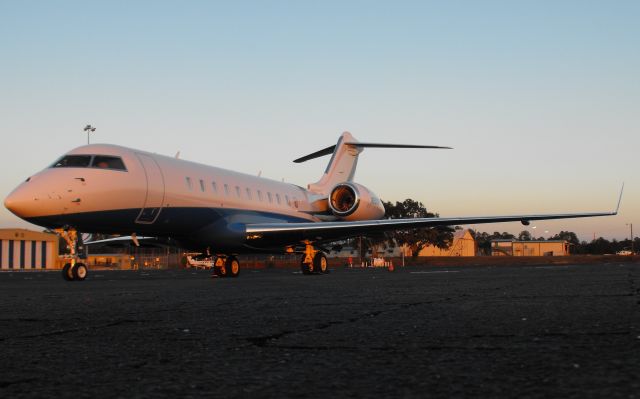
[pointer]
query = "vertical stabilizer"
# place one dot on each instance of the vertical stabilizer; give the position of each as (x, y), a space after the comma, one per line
(341, 167)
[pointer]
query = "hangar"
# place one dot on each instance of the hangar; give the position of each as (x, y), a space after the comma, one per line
(529, 248)
(463, 244)
(27, 249)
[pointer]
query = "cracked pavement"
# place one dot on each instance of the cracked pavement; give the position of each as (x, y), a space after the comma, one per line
(526, 331)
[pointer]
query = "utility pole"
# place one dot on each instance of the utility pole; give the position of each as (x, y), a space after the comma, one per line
(633, 252)
(89, 129)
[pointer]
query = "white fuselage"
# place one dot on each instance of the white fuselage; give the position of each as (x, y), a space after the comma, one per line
(156, 195)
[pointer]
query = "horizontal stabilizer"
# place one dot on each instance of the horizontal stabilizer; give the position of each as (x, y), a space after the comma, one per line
(329, 150)
(326, 151)
(382, 145)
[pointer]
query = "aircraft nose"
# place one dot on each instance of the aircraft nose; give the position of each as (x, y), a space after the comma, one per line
(19, 201)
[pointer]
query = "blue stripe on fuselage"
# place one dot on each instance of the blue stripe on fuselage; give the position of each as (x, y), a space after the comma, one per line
(196, 226)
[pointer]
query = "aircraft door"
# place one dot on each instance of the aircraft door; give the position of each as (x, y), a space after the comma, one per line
(155, 190)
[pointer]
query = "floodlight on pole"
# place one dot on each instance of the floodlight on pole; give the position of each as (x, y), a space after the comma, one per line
(89, 129)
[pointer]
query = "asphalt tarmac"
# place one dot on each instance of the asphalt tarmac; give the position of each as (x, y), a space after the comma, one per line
(508, 331)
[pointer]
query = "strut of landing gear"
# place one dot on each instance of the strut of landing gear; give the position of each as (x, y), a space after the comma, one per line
(74, 270)
(313, 261)
(226, 266)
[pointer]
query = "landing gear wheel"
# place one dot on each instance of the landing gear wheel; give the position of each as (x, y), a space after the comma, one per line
(232, 266)
(320, 263)
(79, 271)
(218, 266)
(67, 272)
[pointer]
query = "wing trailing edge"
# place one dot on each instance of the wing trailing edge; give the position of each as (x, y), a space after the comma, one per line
(327, 231)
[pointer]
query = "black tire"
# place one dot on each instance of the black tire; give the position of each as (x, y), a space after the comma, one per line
(232, 266)
(320, 264)
(67, 273)
(80, 271)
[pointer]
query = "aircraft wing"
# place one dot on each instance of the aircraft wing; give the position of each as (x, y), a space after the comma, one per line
(327, 231)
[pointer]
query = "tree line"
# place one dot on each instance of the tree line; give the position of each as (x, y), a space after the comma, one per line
(442, 236)
(599, 246)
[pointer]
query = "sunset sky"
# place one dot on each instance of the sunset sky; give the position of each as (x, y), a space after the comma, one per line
(540, 100)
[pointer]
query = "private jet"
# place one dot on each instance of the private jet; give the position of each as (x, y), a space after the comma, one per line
(111, 189)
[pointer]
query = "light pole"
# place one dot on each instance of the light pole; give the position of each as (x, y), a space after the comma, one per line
(89, 129)
(632, 246)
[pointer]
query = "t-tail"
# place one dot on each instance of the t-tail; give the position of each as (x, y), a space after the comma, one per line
(344, 159)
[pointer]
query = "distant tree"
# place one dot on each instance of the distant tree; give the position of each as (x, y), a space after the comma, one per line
(417, 239)
(569, 236)
(503, 236)
(524, 236)
(600, 246)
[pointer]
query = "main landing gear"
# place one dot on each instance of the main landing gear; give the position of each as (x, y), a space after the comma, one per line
(73, 270)
(226, 266)
(313, 261)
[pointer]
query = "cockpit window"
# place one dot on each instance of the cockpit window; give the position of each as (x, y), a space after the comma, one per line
(93, 161)
(107, 162)
(73, 161)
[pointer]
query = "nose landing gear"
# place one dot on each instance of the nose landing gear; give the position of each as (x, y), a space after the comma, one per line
(74, 270)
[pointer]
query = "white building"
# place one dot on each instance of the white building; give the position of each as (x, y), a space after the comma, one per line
(26, 249)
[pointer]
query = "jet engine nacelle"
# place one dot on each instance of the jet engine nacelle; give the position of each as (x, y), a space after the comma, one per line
(352, 201)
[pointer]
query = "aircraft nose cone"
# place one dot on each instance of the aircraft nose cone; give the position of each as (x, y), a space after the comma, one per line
(18, 202)
(13, 204)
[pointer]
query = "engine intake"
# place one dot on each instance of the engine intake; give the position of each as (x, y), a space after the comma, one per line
(344, 199)
(352, 201)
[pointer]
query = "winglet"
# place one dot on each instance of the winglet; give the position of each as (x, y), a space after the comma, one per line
(619, 199)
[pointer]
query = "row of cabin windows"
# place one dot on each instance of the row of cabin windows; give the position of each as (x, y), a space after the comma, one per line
(214, 188)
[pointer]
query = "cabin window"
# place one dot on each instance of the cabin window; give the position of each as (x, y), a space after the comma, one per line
(269, 196)
(188, 180)
(238, 191)
(214, 187)
(260, 195)
(73, 161)
(226, 190)
(202, 185)
(248, 193)
(278, 198)
(286, 199)
(107, 162)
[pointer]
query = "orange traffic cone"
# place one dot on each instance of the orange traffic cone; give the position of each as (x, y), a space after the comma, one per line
(391, 266)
